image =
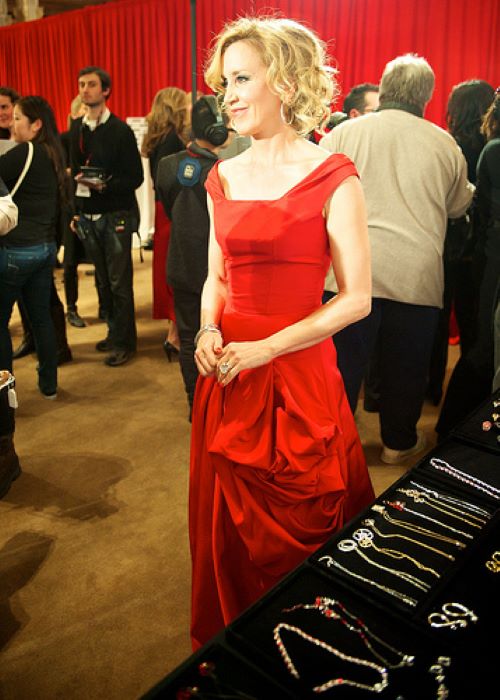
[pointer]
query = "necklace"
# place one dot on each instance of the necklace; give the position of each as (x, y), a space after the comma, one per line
(369, 522)
(455, 501)
(416, 528)
(327, 608)
(330, 561)
(352, 546)
(468, 479)
(375, 688)
(364, 537)
(450, 511)
(401, 505)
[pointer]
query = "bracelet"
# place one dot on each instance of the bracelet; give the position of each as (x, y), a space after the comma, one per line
(208, 328)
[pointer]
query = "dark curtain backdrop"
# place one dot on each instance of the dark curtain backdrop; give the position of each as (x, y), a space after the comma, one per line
(145, 44)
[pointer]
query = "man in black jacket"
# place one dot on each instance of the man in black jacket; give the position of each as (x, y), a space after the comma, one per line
(180, 184)
(107, 207)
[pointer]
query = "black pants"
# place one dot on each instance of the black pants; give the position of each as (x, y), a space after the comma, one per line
(57, 314)
(472, 379)
(187, 316)
(405, 334)
(110, 250)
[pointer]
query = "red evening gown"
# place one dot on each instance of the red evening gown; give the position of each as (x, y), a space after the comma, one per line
(276, 462)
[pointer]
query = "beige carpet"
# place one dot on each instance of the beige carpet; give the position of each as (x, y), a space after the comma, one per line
(94, 559)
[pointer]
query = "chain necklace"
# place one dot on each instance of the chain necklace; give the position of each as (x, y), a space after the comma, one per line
(352, 546)
(369, 522)
(450, 511)
(401, 505)
(455, 501)
(416, 528)
(468, 479)
(364, 537)
(334, 682)
(330, 561)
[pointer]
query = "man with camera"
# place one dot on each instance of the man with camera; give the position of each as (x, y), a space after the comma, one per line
(180, 181)
(106, 165)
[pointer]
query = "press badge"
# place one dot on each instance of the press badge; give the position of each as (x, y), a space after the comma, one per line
(82, 190)
(12, 398)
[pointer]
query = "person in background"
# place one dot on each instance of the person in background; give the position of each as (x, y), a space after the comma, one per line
(28, 251)
(168, 133)
(361, 99)
(414, 178)
(8, 98)
(276, 461)
(467, 105)
(107, 212)
(180, 180)
(472, 379)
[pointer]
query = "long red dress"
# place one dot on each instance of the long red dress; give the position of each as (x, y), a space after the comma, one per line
(276, 462)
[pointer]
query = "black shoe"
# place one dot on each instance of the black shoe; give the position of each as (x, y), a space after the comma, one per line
(104, 345)
(170, 351)
(74, 319)
(149, 245)
(64, 355)
(119, 357)
(27, 347)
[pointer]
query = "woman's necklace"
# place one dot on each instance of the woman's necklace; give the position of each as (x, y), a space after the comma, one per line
(468, 479)
(364, 537)
(335, 610)
(334, 682)
(401, 505)
(352, 546)
(369, 522)
(416, 528)
(450, 511)
(330, 561)
(462, 505)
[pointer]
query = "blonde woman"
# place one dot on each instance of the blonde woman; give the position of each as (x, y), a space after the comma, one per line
(168, 132)
(276, 462)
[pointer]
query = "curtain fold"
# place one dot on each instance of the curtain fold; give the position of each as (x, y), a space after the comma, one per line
(145, 44)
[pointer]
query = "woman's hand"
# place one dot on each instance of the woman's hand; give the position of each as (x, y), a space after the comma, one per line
(238, 356)
(207, 353)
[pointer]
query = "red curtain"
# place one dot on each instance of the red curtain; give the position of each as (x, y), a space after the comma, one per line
(145, 44)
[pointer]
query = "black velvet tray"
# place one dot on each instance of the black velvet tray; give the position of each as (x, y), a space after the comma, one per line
(236, 678)
(470, 430)
(476, 587)
(252, 633)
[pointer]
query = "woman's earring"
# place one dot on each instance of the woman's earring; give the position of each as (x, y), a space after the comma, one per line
(283, 117)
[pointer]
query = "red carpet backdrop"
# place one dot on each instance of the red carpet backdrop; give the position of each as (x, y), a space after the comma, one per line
(145, 44)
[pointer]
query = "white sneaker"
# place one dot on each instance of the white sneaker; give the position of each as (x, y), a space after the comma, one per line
(396, 456)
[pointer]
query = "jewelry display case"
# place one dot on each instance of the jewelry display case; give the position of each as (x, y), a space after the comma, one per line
(402, 603)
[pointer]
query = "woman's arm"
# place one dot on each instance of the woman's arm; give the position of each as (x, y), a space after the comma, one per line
(350, 251)
(213, 298)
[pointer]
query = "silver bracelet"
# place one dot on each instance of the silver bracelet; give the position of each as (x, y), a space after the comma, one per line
(208, 328)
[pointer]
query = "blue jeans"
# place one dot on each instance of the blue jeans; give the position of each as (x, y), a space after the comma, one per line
(27, 272)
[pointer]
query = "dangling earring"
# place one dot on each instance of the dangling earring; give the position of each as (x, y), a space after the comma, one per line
(282, 113)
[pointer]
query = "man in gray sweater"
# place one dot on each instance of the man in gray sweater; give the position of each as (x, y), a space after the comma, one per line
(414, 177)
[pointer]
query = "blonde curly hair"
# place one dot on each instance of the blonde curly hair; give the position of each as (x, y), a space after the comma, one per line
(295, 59)
(169, 111)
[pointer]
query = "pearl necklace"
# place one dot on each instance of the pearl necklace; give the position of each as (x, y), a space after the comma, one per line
(468, 479)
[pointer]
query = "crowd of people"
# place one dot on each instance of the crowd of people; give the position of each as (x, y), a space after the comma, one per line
(371, 237)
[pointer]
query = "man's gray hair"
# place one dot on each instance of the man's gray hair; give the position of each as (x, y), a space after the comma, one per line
(408, 79)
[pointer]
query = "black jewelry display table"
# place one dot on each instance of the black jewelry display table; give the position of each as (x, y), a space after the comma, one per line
(402, 603)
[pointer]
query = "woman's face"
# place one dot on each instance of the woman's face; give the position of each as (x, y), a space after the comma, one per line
(254, 110)
(24, 130)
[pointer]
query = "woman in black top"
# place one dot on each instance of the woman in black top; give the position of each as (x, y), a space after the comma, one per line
(28, 252)
(168, 132)
(467, 105)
